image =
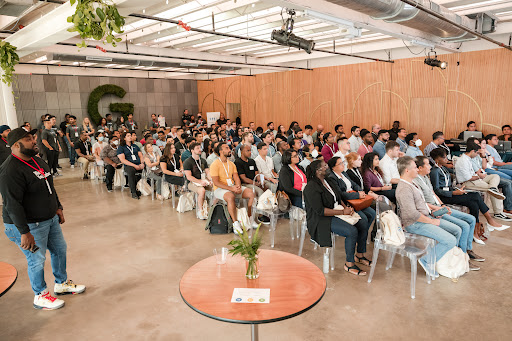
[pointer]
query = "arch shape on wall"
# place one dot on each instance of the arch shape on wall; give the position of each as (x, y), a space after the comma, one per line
(204, 99)
(318, 106)
(475, 102)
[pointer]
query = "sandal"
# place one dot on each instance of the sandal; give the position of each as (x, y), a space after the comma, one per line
(355, 267)
(360, 259)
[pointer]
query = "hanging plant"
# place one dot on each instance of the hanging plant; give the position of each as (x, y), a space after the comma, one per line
(8, 58)
(96, 19)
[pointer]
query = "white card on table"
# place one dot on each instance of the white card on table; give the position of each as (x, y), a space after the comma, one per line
(250, 295)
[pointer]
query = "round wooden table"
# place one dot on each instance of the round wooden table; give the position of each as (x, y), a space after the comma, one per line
(8, 276)
(295, 284)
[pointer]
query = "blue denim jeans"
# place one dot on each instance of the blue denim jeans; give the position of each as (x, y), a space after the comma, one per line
(466, 222)
(503, 173)
(509, 167)
(72, 154)
(47, 235)
(446, 240)
(354, 234)
(506, 188)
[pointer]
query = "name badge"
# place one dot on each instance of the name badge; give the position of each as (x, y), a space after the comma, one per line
(76, 134)
(446, 189)
(230, 182)
(134, 158)
(203, 176)
(251, 167)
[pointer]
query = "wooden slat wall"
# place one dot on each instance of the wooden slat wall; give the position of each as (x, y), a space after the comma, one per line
(422, 99)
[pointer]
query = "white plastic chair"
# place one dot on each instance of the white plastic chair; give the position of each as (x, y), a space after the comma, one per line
(328, 259)
(414, 247)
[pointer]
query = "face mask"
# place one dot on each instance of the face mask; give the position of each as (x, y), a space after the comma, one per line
(101, 138)
(314, 153)
(418, 142)
(116, 142)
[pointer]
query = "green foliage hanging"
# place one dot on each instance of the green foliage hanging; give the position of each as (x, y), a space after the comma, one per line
(96, 19)
(97, 94)
(124, 108)
(8, 58)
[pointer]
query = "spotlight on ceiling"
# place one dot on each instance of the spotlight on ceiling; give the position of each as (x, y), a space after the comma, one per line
(434, 62)
(284, 36)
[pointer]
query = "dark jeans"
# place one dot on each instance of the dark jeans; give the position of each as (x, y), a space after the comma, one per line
(132, 177)
(353, 234)
(53, 159)
(109, 175)
(296, 201)
(472, 200)
(390, 194)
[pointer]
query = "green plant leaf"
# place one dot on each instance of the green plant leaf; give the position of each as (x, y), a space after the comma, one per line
(72, 2)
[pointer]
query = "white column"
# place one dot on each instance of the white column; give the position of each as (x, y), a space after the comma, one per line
(7, 108)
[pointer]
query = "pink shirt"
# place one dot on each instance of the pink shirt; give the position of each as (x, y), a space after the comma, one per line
(364, 149)
(328, 151)
(298, 180)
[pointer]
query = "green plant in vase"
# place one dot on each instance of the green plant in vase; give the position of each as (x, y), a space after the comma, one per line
(247, 247)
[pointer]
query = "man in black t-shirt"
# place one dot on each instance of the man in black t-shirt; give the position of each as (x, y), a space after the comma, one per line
(5, 148)
(198, 175)
(247, 170)
(32, 215)
(51, 146)
(185, 118)
(84, 151)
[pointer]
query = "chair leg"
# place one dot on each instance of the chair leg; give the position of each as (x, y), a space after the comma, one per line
(302, 237)
(374, 260)
(173, 194)
(391, 258)
(414, 270)
(273, 223)
(152, 189)
(292, 225)
(333, 242)
(325, 267)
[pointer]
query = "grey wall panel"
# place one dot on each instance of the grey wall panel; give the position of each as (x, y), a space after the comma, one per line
(50, 83)
(37, 83)
(24, 83)
(73, 85)
(180, 85)
(84, 84)
(39, 100)
(173, 85)
(52, 100)
(62, 83)
(63, 100)
(26, 100)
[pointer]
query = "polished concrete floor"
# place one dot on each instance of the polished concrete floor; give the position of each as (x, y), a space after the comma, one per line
(131, 255)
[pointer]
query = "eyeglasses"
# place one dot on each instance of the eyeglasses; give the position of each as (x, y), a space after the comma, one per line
(294, 156)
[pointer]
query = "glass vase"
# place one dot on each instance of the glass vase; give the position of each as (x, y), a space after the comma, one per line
(252, 267)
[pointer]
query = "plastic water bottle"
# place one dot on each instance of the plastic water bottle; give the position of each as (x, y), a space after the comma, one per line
(326, 262)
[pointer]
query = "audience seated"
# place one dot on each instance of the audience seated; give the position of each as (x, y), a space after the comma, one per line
(320, 143)
(268, 139)
(186, 153)
(227, 185)
(297, 144)
(330, 148)
(492, 141)
(438, 142)
(172, 166)
(131, 156)
(111, 161)
(471, 127)
(281, 147)
(401, 135)
(153, 170)
(355, 140)
(265, 166)
(464, 221)
(292, 177)
(316, 134)
(380, 145)
(372, 177)
(307, 134)
(198, 175)
(393, 132)
(247, 171)
(507, 133)
(375, 132)
(324, 203)
(416, 216)
(388, 163)
(84, 151)
(367, 145)
(413, 144)
(343, 149)
(353, 171)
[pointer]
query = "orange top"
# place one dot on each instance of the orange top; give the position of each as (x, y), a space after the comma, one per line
(295, 283)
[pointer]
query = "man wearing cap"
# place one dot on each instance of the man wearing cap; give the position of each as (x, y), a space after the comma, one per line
(32, 215)
(5, 148)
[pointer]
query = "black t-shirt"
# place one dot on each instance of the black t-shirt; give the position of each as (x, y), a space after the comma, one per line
(5, 150)
(85, 147)
(191, 164)
(51, 136)
(25, 193)
(247, 168)
(64, 126)
(221, 121)
(169, 162)
(185, 118)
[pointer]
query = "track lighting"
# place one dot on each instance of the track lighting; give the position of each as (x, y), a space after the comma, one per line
(284, 36)
(434, 62)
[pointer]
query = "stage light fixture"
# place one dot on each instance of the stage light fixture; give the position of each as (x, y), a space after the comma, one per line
(434, 62)
(284, 36)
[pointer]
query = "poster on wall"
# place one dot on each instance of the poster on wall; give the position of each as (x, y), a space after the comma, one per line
(212, 117)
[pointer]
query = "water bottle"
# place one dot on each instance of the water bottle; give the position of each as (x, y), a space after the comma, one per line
(326, 262)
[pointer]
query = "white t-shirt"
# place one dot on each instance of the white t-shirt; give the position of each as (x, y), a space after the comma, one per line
(389, 169)
(265, 166)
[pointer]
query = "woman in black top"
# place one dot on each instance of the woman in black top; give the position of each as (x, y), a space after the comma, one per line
(281, 133)
(322, 195)
(131, 156)
(292, 177)
(319, 144)
(353, 170)
(172, 166)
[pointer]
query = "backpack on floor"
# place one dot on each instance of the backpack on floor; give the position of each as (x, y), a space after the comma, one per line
(219, 220)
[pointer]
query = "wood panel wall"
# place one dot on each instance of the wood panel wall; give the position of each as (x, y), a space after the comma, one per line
(422, 99)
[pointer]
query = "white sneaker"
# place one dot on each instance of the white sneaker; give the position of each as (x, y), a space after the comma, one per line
(72, 166)
(237, 228)
(255, 225)
(46, 301)
(68, 288)
(495, 193)
(502, 217)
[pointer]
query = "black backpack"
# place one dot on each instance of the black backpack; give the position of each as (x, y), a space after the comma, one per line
(219, 220)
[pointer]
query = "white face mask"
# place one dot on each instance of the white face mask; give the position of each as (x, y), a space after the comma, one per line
(418, 142)
(314, 153)
(116, 142)
(100, 138)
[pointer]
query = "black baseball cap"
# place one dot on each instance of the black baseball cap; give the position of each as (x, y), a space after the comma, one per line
(17, 134)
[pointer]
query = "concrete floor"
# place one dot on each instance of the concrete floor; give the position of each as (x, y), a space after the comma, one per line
(131, 255)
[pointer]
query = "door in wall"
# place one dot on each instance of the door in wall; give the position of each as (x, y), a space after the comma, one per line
(232, 110)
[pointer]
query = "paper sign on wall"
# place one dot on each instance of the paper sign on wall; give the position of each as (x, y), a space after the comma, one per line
(212, 117)
(250, 295)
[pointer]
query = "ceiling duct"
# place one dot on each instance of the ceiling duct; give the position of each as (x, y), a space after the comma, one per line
(396, 11)
(14, 8)
(135, 62)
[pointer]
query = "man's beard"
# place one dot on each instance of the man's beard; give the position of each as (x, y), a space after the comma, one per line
(28, 152)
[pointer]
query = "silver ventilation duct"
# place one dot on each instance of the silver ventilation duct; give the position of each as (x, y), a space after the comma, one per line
(15, 8)
(135, 62)
(396, 11)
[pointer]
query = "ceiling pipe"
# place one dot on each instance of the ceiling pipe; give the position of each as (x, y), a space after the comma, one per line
(199, 30)
(441, 17)
(195, 59)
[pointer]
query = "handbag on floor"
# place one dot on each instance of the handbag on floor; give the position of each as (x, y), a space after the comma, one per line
(453, 264)
(243, 217)
(392, 228)
(186, 202)
(143, 187)
(119, 179)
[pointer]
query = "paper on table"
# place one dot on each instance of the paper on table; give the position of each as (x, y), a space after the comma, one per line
(250, 295)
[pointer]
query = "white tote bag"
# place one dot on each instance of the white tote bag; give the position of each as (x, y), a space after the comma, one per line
(453, 264)
(243, 217)
(267, 201)
(351, 219)
(119, 179)
(392, 228)
(143, 187)
(186, 202)
(165, 191)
